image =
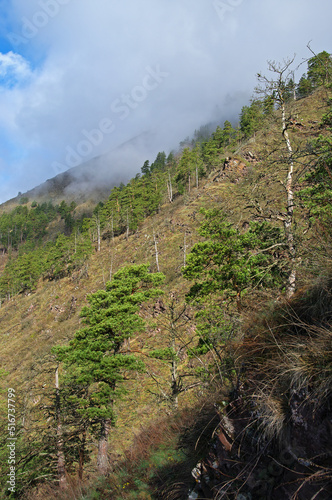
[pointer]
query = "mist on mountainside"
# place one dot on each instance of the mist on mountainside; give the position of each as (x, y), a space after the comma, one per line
(124, 162)
(94, 179)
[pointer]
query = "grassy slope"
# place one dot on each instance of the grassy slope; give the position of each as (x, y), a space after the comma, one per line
(31, 325)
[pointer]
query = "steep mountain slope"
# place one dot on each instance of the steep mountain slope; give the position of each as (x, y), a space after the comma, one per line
(91, 180)
(247, 181)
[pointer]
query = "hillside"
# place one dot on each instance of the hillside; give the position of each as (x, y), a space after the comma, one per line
(216, 343)
(90, 181)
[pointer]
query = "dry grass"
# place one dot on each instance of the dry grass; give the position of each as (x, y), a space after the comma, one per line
(288, 358)
(289, 350)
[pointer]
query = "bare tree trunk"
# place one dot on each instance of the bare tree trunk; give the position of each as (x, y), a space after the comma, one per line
(288, 222)
(196, 175)
(111, 268)
(112, 227)
(97, 223)
(98, 235)
(277, 88)
(174, 362)
(294, 87)
(170, 188)
(175, 388)
(127, 233)
(156, 250)
(189, 184)
(59, 441)
(102, 459)
(185, 249)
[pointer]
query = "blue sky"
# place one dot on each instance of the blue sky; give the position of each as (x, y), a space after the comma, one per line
(78, 78)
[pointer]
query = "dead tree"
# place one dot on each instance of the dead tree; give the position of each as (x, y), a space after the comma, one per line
(185, 249)
(277, 87)
(156, 250)
(180, 336)
(127, 230)
(169, 188)
(97, 223)
(59, 436)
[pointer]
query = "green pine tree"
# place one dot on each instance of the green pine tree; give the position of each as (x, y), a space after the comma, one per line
(231, 262)
(251, 118)
(317, 195)
(96, 358)
(320, 69)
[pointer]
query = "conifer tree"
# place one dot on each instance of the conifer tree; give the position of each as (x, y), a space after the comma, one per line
(304, 87)
(320, 68)
(231, 262)
(96, 357)
(228, 133)
(317, 193)
(160, 162)
(184, 170)
(146, 168)
(251, 118)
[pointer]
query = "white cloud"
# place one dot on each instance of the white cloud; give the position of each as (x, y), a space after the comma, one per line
(90, 54)
(13, 69)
